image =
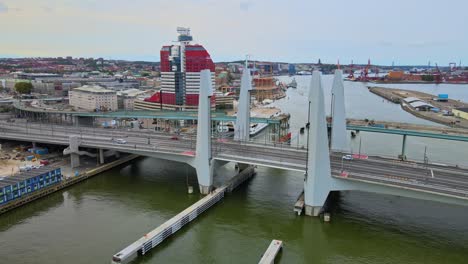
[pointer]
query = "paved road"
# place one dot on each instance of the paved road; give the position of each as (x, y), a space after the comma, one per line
(441, 179)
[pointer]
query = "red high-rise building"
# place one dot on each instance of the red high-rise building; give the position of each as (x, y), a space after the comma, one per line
(180, 74)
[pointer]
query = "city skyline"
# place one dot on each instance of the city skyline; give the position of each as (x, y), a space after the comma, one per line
(302, 31)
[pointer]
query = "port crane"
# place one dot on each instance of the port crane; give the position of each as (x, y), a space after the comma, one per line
(452, 66)
(351, 71)
(437, 75)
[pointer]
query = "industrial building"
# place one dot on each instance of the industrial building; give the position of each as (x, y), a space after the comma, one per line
(93, 98)
(180, 75)
(461, 113)
(421, 106)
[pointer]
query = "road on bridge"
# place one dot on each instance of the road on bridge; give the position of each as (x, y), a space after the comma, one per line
(446, 180)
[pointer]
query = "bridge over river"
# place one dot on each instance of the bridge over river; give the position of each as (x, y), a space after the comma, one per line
(324, 170)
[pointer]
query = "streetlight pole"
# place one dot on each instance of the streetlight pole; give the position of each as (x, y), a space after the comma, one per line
(342, 164)
(426, 159)
(360, 139)
(308, 132)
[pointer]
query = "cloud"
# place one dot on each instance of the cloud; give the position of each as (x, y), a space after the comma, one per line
(385, 43)
(47, 9)
(245, 5)
(3, 8)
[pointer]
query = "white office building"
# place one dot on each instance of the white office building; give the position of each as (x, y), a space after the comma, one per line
(93, 98)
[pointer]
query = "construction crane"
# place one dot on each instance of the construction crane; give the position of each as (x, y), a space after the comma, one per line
(437, 75)
(452, 66)
(365, 72)
(351, 71)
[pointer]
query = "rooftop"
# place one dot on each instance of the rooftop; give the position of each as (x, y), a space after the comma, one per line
(131, 92)
(420, 104)
(411, 99)
(93, 89)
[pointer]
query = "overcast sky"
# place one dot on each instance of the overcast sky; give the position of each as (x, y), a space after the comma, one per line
(403, 31)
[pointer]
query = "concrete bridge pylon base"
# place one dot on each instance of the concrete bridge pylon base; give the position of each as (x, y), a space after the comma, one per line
(203, 163)
(318, 181)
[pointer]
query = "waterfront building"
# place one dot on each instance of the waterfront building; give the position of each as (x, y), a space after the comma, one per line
(93, 98)
(180, 75)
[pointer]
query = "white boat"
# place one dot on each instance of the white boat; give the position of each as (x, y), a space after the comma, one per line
(256, 128)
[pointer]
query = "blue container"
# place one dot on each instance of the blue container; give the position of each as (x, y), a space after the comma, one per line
(42, 151)
(29, 157)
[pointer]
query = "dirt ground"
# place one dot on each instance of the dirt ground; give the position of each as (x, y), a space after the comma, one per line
(8, 164)
(9, 167)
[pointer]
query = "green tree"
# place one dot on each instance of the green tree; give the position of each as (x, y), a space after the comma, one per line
(23, 87)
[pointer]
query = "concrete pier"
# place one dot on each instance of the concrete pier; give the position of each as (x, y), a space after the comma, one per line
(299, 205)
(271, 252)
(101, 156)
(403, 149)
(240, 178)
(74, 160)
(171, 226)
(74, 149)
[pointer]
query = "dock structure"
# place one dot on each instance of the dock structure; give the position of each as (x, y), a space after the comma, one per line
(271, 252)
(299, 205)
(63, 184)
(171, 226)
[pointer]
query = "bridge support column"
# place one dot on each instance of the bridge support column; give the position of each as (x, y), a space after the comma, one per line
(34, 145)
(203, 157)
(74, 148)
(339, 138)
(101, 156)
(117, 155)
(242, 127)
(403, 149)
(318, 182)
(75, 160)
(75, 121)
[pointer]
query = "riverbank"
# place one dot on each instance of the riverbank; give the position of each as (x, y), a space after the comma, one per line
(398, 96)
(68, 181)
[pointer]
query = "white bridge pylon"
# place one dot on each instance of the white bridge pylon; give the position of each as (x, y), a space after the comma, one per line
(242, 127)
(203, 159)
(318, 181)
(339, 139)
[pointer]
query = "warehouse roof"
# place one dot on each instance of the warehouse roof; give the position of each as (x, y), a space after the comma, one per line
(411, 99)
(93, 89)
(420, 104)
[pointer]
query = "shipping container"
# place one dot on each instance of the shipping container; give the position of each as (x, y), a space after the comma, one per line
(16, 186)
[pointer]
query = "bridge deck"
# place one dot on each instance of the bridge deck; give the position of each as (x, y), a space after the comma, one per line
(448, 181)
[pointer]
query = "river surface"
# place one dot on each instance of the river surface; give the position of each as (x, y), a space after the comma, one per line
(93, 220)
